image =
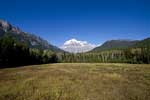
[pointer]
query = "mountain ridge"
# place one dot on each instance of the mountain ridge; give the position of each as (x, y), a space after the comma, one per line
(31, 40)
(122, 44)
(114, 44)
(73, 45)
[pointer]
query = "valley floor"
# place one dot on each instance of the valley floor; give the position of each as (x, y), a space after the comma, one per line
(76, 81)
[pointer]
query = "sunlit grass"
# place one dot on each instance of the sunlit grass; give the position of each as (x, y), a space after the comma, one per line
(76, 81)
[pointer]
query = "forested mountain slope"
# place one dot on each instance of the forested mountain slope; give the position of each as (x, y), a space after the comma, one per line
(115, 44)
(143, 43)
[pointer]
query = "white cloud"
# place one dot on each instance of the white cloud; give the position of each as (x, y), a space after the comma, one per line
(75, 46)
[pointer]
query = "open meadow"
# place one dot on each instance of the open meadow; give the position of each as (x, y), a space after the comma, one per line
(76, 81)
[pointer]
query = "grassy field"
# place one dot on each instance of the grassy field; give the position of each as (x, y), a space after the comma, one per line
(76, 81)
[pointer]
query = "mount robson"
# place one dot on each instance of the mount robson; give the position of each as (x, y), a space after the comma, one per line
(22, 48)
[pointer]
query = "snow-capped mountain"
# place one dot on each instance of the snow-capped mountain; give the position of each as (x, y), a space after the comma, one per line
(75, 46)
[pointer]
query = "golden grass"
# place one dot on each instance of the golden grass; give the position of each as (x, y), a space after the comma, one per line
(76, 81)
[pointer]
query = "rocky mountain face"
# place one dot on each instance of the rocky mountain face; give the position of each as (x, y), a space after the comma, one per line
(31, 40)
(75, 46)
(6, 27)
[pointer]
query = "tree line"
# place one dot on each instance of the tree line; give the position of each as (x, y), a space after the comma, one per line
(130, 55)
(13, 53)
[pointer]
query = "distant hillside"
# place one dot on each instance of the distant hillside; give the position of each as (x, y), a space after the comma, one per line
(30, 40)
(143, 43)
(115, 44)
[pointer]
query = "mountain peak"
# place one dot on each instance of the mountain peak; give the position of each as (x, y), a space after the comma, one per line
(75, 42)
(3, 21)
(76, 46)
(71, 41)
(5, 25)
(32, 41)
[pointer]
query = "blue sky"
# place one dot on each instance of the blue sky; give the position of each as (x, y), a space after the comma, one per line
(94, 21)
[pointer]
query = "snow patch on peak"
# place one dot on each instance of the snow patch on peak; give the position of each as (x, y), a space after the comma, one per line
(76, 46)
